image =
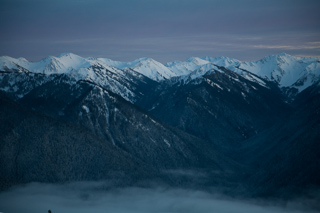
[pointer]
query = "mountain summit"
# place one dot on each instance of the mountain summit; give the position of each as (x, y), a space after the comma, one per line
(286, 70)
(254, 125)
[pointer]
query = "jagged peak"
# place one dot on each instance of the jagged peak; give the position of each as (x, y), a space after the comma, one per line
(197, 60)
(192, 58)
(8, 58)
(219, 59)
(23, 59)
(49, 58)
(277, 56)
(283, 54)
(68, 54)
(145, 59)
(270, 66)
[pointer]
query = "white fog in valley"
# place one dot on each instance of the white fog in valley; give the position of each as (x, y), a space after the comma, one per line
(89, 197)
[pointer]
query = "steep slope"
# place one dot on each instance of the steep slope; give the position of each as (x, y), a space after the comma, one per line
(147, 67)
(292, 74)
(129, 84)
(186, 67)
(233, 122)
(63, 63)
(35, 147)
(289, 72)
(98, 136)
(220, 106)
(286, 158)
(111, 118)
(286, 70)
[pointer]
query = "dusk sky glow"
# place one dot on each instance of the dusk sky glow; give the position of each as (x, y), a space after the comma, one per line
(165, 30)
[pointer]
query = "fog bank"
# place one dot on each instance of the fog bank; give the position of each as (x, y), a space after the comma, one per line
(83, 197)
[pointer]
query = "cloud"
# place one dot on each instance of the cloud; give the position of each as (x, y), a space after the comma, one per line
(95, 197)
(165, 30)
(310, 46)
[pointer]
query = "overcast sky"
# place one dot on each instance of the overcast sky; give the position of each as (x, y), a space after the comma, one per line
(165, 30)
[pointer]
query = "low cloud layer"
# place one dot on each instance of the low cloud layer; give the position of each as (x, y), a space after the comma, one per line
(93, 197)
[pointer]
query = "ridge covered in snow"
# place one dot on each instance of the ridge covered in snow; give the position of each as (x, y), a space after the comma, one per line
(284, 69)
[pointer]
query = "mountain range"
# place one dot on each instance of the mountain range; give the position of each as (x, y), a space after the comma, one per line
(249, 128)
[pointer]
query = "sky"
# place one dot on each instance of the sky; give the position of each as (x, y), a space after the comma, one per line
(165, 30)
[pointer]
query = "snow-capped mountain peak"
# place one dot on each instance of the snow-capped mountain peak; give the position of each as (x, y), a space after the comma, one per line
(68, 55)
(152, 69)
(197, 61)
(222, 61)
(145, 66)
(182, 68)
(284, 69)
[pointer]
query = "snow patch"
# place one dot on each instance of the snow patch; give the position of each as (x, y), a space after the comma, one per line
(211, 83)
(86, 108)
(167, 142)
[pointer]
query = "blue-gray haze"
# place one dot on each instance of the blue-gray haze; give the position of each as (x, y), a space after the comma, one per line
(87, 197)
(165, 30)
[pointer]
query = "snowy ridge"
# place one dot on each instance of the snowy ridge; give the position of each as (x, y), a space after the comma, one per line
(69, 63)
(145, 66)
(151, 69)
(63, 63)
(223, 61)
(75, 67)
(186, 67)
(285, 70)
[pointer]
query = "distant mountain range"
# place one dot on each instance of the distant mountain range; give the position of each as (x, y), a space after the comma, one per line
(253, 125)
